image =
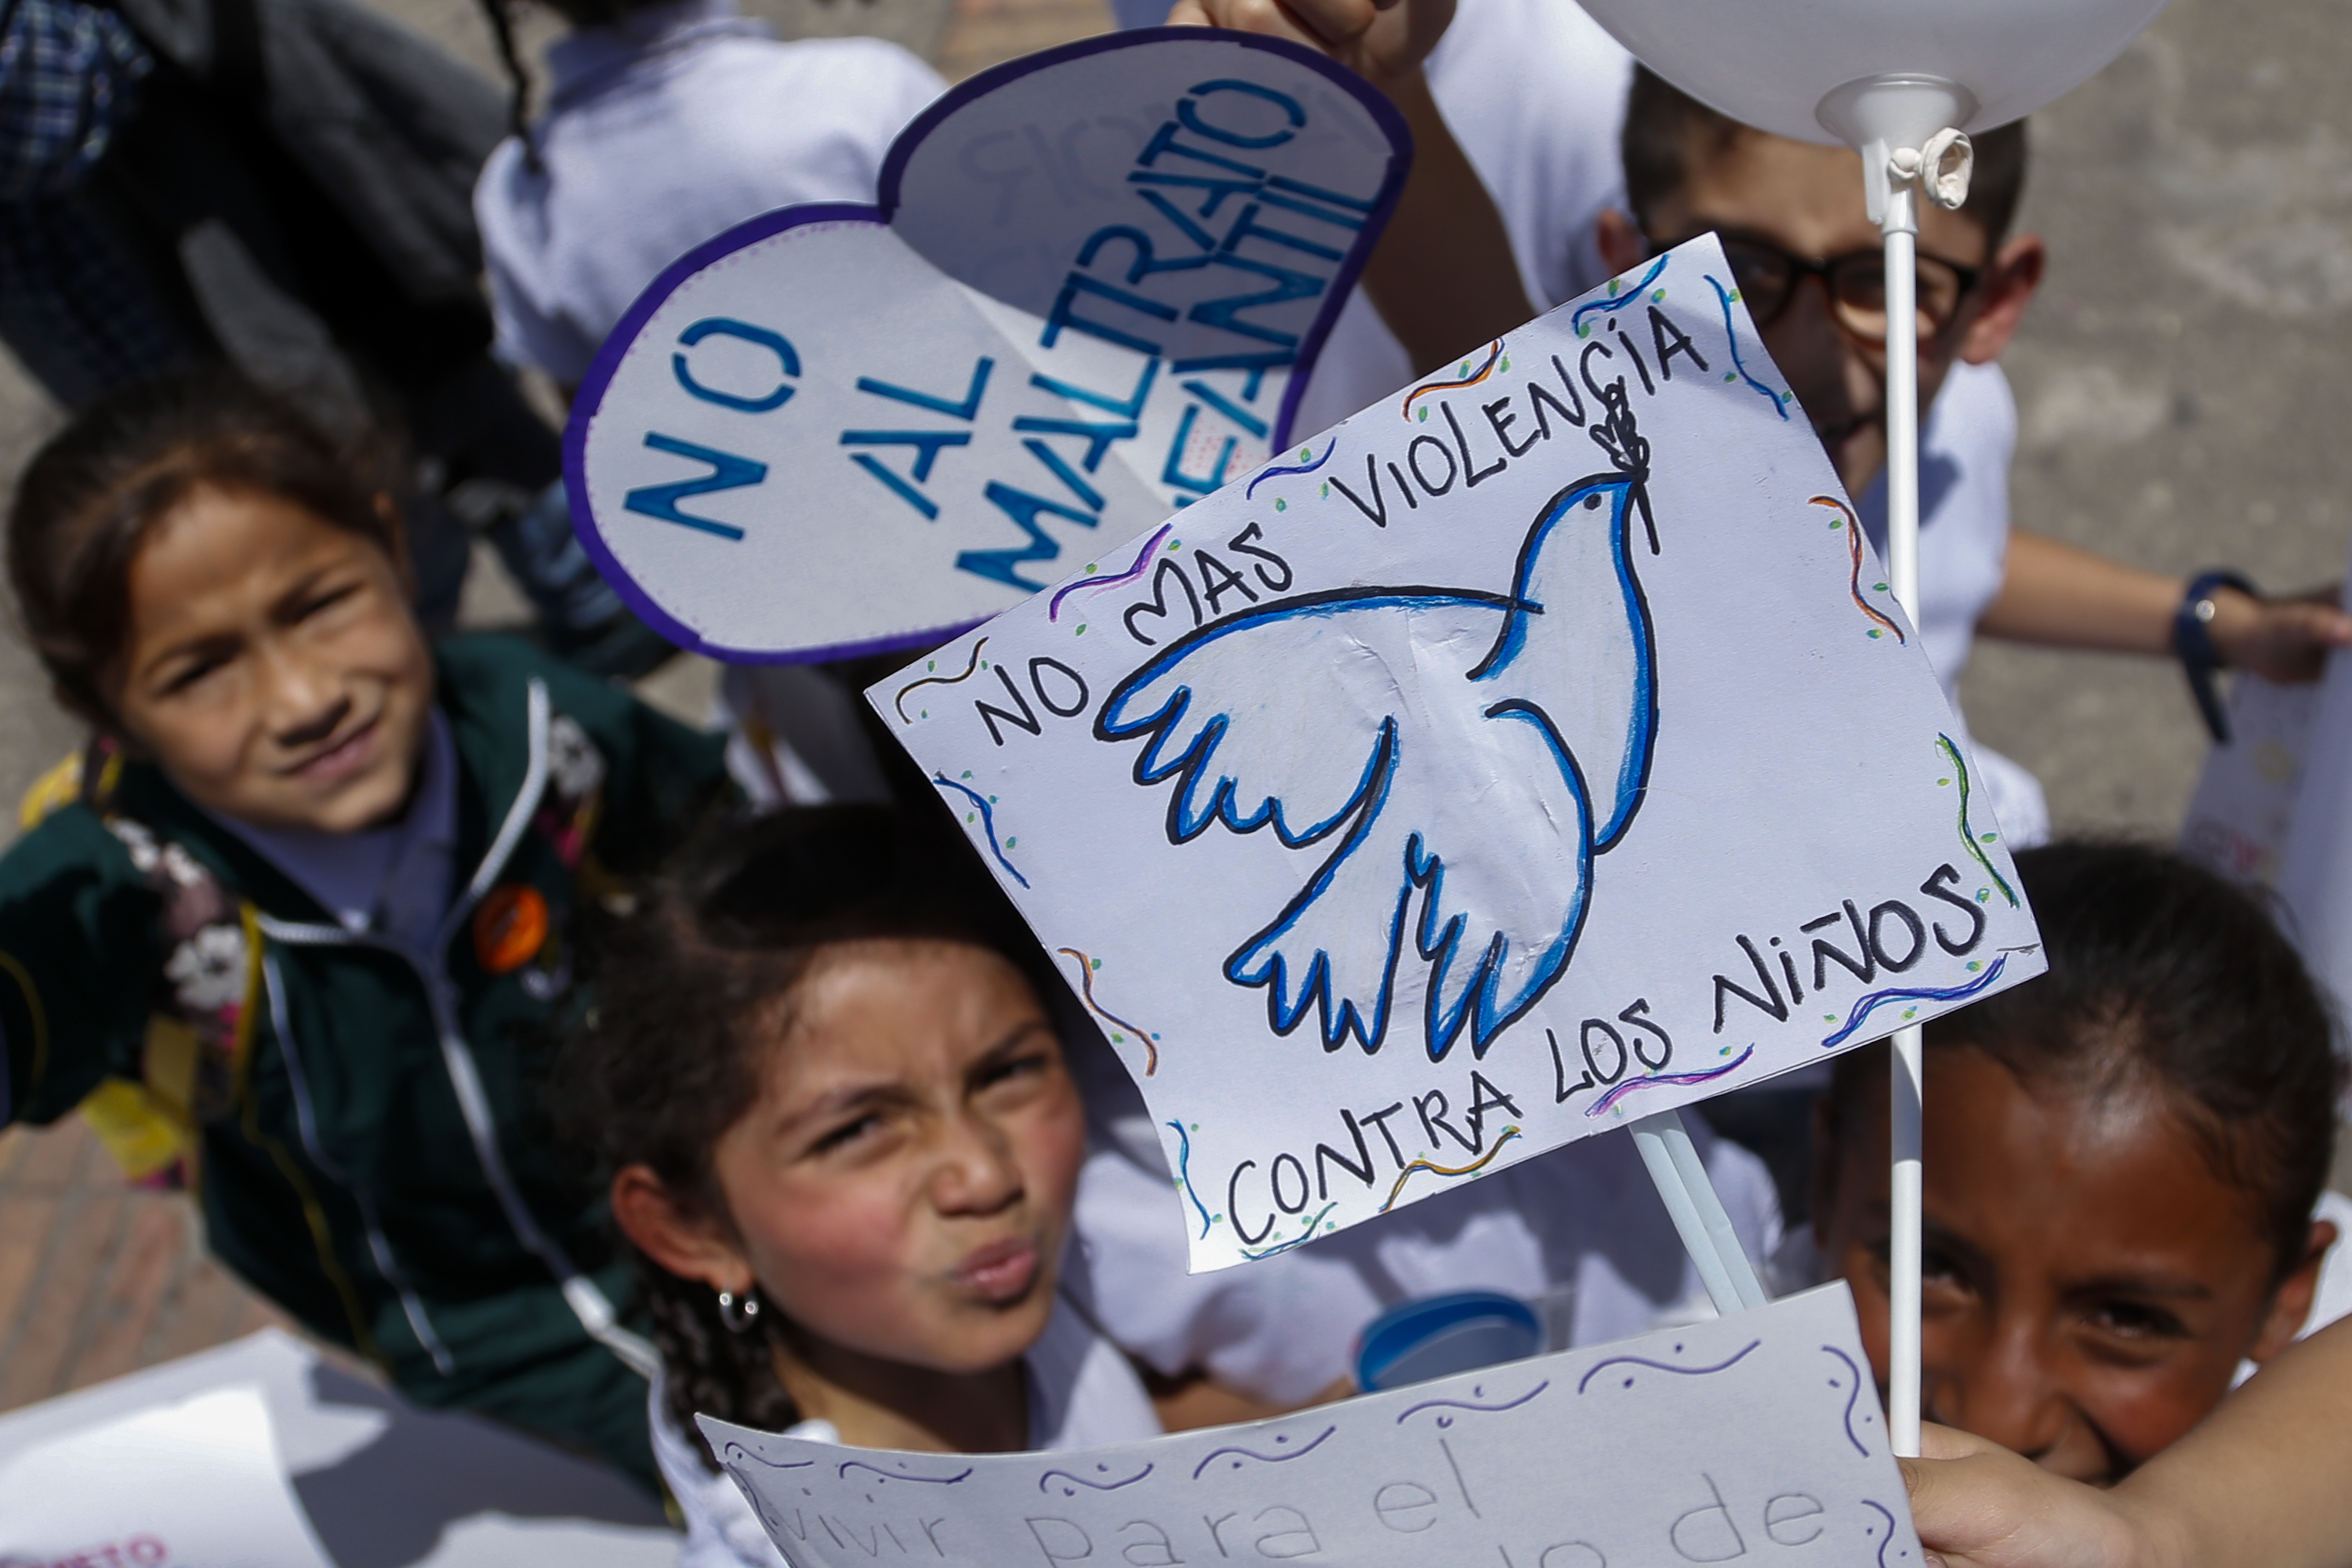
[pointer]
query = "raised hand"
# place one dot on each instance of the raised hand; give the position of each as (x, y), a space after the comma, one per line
(1383, 43)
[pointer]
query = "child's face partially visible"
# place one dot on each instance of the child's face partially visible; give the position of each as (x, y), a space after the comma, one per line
(902, 1188)
(272, 668)
(1807, 200)
(2091, 1284)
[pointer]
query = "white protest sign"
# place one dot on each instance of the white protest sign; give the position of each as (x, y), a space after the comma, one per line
(193, 1485)
(1603, 773)
(1754, 1439)
(1090, 293)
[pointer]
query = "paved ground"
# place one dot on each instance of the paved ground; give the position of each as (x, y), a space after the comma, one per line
(2181, 385)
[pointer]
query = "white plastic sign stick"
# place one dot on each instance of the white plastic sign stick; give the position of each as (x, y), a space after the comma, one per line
(1090, 293)
(1742, 1440)
(1538, 749)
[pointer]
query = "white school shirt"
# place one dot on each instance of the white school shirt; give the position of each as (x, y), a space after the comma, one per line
(1082, 1394)
(396, 879)
(1583, 1218)
(1535, 92)
(663, 130)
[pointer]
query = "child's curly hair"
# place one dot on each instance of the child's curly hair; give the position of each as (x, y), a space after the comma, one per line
(698, 989)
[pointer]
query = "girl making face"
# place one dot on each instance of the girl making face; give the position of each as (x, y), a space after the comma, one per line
(845, 1145)
(2122, 1163)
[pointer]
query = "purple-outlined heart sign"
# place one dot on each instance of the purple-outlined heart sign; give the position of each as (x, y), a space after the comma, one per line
(1090, 295)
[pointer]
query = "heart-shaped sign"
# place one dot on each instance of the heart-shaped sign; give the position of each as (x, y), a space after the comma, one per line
(1091, 293)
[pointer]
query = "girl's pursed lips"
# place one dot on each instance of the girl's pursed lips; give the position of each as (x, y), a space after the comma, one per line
(1000, 1270)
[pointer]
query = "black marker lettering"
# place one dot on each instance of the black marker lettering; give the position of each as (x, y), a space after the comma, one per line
(1037, 667)
(1864, 968)
(1560, 1088)
(1639, 368)
(1217, 580)
(1484, 1097)
(1662, 327)
(1637, 1015)
(1939, 887)
(1157, 604)
(1432, 1123)
(1233, 1208)
(1901, 911)
(1770, 1002)
(1239, 545)
(1379, 511)
(1380, 1120)
(1500, 424)
(1412, 461)
(1025, 720)
(1469, 468)
(1361, 1167)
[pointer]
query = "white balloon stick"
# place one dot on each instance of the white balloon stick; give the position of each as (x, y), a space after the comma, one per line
(1901, 229)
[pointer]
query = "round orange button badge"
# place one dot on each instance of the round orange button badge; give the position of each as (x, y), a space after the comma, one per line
(509, 928)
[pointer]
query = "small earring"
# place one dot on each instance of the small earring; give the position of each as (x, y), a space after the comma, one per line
(740, 1315)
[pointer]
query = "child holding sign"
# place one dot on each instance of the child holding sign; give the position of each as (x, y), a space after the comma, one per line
(1790, 214)
(845, 1146)
(2122, 1159)
(306, 918)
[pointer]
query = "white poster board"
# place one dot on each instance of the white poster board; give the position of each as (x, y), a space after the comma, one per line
(1756, 1439)
(197, 1484)
(1539, 749)
(1090, 295)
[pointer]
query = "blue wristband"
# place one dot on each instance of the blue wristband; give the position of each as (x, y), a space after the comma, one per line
(2192, 640)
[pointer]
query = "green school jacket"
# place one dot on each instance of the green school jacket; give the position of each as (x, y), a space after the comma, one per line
(366, 1140)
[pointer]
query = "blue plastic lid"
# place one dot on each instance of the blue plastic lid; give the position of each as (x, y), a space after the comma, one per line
(1438, 1336)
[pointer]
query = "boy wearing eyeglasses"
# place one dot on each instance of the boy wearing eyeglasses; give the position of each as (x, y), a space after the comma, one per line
(1791, 218)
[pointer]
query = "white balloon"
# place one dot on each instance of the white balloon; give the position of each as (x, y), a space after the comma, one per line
(1771, 63)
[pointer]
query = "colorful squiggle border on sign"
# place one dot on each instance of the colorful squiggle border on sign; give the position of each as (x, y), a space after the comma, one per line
(1090, 1486)
(987, 821)
(1854, 1373)
(1493, 357)
(1854, 542)
(849, 1465)
(1185, 1175)
(1631, 1084)
(1142, 559)
(898, 701)
(1216, 1454)
(1301, 1238)
(1968, 834)
(1086, 989)
(1876, 999)
(1779, 403)
(1424, 1164)
(1618, 301)
(1465, 1405)
(1599, 1367)
(1264, 474)
(1889, 1539)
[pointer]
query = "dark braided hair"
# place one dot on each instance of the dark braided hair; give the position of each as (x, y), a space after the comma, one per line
(577, 13)
(2163, 974)
(688, 1003)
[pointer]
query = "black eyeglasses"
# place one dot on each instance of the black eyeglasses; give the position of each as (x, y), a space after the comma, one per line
(1768, 275)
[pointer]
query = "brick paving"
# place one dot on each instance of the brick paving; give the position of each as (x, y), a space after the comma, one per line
(99, 1277)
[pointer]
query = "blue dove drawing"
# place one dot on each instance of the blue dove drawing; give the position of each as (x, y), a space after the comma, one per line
(1471, 750)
